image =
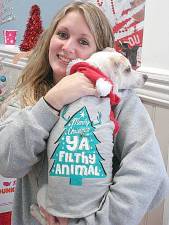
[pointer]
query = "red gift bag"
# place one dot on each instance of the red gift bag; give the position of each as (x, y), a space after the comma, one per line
(5, 218)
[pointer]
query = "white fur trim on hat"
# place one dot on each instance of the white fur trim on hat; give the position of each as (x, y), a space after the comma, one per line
(103, 87)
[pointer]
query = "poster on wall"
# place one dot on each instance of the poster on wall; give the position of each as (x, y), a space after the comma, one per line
(7, 188)
(127, 20)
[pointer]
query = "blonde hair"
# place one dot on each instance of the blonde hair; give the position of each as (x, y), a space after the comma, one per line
(36, 79)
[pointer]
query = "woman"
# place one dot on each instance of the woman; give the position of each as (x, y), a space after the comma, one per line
(141, 181)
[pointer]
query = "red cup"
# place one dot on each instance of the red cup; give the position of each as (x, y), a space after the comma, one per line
(9, 37)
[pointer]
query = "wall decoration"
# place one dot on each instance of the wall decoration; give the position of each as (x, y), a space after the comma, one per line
(3, 83)
(127, 19)
(33, 29)
(9, 37)
(7, 188)
(6, 12)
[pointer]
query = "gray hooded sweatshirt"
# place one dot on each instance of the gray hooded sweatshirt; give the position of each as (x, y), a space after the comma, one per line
(140, 180)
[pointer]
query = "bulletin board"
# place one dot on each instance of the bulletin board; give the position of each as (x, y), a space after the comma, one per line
(127, 20)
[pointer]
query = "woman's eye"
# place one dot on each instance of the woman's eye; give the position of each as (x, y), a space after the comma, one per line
(84, 42)
(62, 35)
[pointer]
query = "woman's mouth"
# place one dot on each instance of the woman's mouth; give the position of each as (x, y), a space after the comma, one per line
(64, 60)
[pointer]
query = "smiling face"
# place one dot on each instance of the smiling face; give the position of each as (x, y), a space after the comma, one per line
(72, 39)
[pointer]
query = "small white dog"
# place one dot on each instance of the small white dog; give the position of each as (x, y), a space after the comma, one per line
(80, 145)
(118, 68)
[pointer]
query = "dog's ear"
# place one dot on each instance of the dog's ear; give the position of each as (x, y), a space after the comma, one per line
(108, 49)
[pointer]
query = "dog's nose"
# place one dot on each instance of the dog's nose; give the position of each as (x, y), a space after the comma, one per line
(145, 77)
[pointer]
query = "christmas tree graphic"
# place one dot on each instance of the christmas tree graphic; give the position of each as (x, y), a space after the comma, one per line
(76, 155)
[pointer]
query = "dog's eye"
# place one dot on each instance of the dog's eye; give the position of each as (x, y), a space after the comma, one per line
(127, 70)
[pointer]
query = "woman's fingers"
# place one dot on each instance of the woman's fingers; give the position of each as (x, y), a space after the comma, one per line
(91, 91)
(43, 212)
(63, 221)
(52, 220)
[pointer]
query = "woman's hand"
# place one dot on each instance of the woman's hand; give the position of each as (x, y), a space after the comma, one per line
(53, 220)
(69, 89)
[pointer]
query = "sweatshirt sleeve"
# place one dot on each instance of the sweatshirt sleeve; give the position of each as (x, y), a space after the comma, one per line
(141, 181)
(23, 137)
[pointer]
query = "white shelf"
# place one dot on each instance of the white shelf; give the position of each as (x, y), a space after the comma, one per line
(7, 54)
(156, 89)
(9, 48)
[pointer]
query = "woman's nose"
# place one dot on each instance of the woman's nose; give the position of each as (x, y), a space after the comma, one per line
(69, 46)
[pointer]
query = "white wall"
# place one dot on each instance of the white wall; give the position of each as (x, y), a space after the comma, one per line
(155, 94)
(155, 52)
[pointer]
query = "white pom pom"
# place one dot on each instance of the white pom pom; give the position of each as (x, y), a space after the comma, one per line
(103, 87)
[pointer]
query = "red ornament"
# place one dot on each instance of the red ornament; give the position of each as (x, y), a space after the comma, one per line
(33, 30)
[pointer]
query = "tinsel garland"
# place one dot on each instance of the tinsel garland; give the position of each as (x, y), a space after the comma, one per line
(33, 30)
